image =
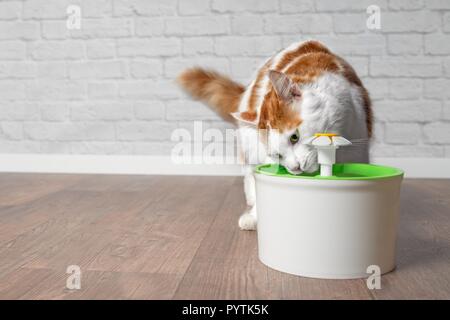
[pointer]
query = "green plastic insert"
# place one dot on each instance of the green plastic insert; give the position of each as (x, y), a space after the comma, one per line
(341, 171)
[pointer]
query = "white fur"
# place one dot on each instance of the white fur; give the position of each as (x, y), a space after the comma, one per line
(329, 104)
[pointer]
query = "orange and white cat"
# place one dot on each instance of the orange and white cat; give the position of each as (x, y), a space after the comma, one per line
(301, 90)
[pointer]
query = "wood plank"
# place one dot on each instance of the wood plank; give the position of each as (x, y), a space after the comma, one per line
(37, 231)
(51, 284)
(154, 230)
(19, 188)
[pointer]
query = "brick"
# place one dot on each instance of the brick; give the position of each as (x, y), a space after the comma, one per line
(100, 49)
(405, 67)
(294, 6)
(53, 111)
(378, 88)
(408, 111)
(19, 146)
(446, 19)
(14, 30)
(302, 23)
(146, 69)
(57, 131)
(54, 30)
(402, 133)
(350, 23)
(406, 4)
(101, 147)
(417, 21)
(193, 7)
(94, 8)
(10, 10)
(437, 44)
(12, 50)
(17, 70)
(174, 66)
(405, 88)
(101, 111)
(55, 147)
(149, 27)
(45, 9)
(189, 110)
(446, 110)
(11, 131)
(153, 148)
(149, 89)
(144, 7)
(381, 150)
(437, 133)
(245, 67)
(447, 66)
(244, 6)
(57, 50)
(355, 44)
(418, 151)
(57, 9)
(56, 90)
(251, 46)
(96, 70)
(19, 111)
(405, 44)
(154, 47)
(247, 25)
(150, 110)
(144, 131)
(51, 70)
(193, 26)
(198, 45)
(102, 90)
(360, 64)
(11, 91)
(437, 4)
(348, 5)
(103, 28)
(436, 88)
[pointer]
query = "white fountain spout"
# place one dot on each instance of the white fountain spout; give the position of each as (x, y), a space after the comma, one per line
(326, 145)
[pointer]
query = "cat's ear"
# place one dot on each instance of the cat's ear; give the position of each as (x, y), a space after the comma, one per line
(248, 118)
(286, 89)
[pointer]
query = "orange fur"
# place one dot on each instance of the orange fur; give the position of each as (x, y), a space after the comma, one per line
(256, 86)
(275, 115)
(219, 92)
(310, 60)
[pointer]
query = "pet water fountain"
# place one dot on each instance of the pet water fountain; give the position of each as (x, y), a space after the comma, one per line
(331, 224)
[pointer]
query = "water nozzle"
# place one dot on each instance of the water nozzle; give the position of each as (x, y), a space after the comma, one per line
(326, 145)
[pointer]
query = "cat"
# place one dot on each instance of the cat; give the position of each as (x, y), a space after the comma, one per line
(301, 90)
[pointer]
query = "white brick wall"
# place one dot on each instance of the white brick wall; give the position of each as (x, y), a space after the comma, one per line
(108, 88)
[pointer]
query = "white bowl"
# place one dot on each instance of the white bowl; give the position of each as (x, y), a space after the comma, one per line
(328, 227)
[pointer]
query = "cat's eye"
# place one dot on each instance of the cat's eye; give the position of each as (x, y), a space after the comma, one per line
(294, 137)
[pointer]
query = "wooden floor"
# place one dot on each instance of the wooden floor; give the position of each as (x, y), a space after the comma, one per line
(151, 237)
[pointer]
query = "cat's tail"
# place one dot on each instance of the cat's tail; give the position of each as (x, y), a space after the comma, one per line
(217, 91)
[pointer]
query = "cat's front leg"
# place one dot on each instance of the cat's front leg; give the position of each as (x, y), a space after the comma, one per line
(247, 221)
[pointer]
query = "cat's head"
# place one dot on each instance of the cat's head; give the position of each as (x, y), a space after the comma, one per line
(285, 119)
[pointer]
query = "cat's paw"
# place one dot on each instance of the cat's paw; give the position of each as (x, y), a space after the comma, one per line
(247, 221)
